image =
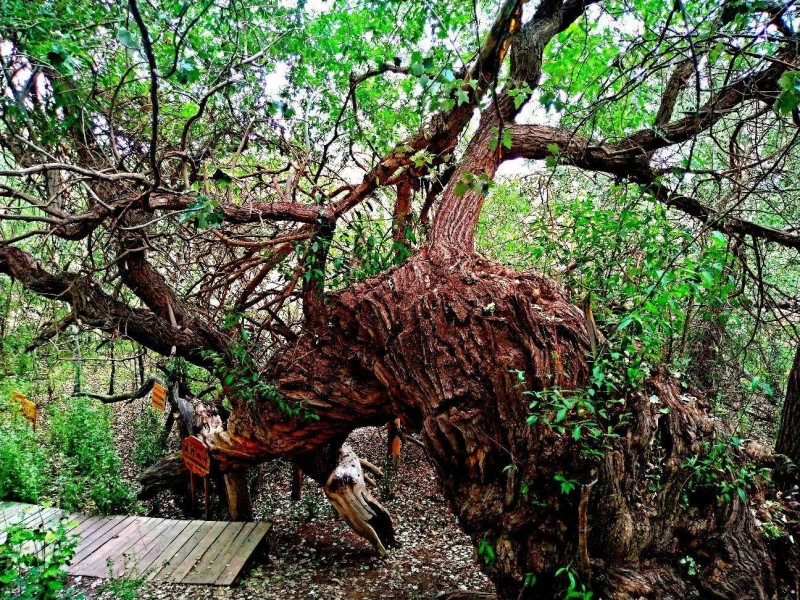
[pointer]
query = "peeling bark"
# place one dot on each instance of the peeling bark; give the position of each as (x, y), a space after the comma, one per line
(437, 341)
(347, 491)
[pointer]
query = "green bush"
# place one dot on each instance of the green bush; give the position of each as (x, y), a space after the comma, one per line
(33, 561)
(22, 461)
(150, 438)
(88, 466)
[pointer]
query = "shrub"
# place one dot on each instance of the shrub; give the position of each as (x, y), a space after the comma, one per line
(32, 562)
(90, 468)
(150, 438)
(22, 461)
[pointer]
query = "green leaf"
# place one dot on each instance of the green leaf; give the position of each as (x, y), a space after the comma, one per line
(125, 38)
(461, 188)
(789, 98)
(507, 138)
(187, 71)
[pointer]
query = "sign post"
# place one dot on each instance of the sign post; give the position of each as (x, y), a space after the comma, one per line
(158, 397)
(197, 459)
(28, 409)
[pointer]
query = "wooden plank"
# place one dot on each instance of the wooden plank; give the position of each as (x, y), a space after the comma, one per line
(17, 515)
(9, 509)
(160, 544)
(130, 558)
(34, 517)
(217, 527)
(228, 555)
(92, 534)
(47, 518)
(13, 516)
(218, 549)
(29, 514)
(86, 527)
(180, 555)
(74, 521)
(212, 552)
(96, 565)
(168, 560)
(243, 553)
(53, 518)
(96, 539)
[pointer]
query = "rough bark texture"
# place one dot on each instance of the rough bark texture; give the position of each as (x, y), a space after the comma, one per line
(439, 341)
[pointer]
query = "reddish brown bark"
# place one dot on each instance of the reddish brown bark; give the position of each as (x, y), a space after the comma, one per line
(442, 341)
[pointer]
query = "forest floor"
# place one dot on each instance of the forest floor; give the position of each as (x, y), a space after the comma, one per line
(313, 554)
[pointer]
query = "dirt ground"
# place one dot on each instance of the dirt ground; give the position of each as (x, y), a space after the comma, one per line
(313, 554)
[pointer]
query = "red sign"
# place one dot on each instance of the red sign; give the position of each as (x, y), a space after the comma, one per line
(196, 456)
(158, 397)
(28, 409)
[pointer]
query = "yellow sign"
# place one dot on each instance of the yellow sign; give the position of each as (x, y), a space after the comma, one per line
(158, 397)
(28, 409)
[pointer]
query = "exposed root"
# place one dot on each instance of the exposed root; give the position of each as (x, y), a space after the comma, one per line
(346, 489)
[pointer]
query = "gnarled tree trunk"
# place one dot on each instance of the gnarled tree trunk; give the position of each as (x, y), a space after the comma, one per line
(440, 341)
(454, 345)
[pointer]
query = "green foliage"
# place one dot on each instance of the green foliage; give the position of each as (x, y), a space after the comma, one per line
(591, 415)
(89, 472)
(479, 184)
(789, 98)
(575, 590)
(774, 521)
(366, 248)
(656, 287)
(33, 561)
(718, 471)
(150, 438)
(23, 464)
(567, 484)
(689, 564)
(239, 371)
(130, 586)
(312, 505)
(486, 552)
(206, 212)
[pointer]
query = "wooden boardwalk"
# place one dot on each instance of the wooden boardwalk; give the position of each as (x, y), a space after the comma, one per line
(198, 552)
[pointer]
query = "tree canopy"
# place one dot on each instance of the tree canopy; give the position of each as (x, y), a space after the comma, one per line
(290, 194)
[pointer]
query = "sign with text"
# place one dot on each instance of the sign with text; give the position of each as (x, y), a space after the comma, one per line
(28, 409)
(196, 456)
(158, 397)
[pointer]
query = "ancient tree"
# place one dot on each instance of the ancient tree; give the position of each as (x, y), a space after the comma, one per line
(157, 187)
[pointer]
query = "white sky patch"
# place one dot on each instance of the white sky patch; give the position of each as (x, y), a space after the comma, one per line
(277, 80)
